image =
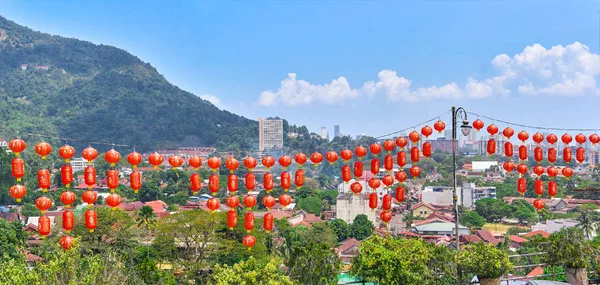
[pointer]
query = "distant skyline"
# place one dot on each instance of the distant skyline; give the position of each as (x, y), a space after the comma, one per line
(370, 67)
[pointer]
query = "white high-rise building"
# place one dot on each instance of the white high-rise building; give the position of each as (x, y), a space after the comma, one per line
(324, 134)
(336, 131)
(270, 133)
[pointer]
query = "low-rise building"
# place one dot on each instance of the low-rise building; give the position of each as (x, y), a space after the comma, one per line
(422, 210)
(468, 194)
(440, 228)
(348, 250)
(349, 206)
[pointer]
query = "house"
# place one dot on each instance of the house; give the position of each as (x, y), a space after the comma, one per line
(349, 206)
(535, 233)
(348, 250)
(472, 238)
(277, 214)
(132, 206)
(439, 228)
(422, 210)
(10, 217)
(34, 221)
(516, 241)
(159, 207)
(487, 237)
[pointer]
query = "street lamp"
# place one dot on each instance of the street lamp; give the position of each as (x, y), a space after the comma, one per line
(465, 128)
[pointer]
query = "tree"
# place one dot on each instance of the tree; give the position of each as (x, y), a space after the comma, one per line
(491, 209)
(251, 272)
(12, 238)
(114, 229)
(588, 221)
(150, 192)
(314, 264)
(568, 248)
(472, 219)
(390, 261)
(523, 211)
(318, 233)
(311, 205)
(330, 196)
(146, 218)
(29, 210)
(341, 229)
(485, 261)
(361, 227)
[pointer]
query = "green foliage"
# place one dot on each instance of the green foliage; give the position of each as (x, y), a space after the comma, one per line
(314, 264)
(146, 218)
(251, 272)
(485, 261)
(569, 248)
(361, 227)
(341, 229)
(472, 220)
(523, 211)
(329, 196)
(403, 261)
(311, 204)
(12, 237)
(493, 210)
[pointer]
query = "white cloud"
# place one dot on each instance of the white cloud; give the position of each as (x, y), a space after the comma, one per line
(211, 98)
(570, 70)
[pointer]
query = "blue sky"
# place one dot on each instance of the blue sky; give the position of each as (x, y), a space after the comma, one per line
(394, 63)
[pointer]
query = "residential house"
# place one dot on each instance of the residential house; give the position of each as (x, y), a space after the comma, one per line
(348, 250)
(536, 233)
(10, 217)
(422, 210)
(487, 237)
(516, 241)
(439, 228)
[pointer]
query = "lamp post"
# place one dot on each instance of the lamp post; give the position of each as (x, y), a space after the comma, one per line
(457, 113)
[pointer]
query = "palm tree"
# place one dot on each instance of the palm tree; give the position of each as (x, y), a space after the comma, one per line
(146, 218)
(587, 221)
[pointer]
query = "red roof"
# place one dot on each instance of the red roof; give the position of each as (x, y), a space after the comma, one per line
(487, 236)
(422, 204)
(517, 239)
(347, 244)
(312, 218)
(470, 238)
(33, 258)
(302, 223)
(538, 232)
(158, 206)
(535, 272)
(133, 206)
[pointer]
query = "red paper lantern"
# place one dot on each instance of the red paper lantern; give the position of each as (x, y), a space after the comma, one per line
(17, 191)
(175, 161)
(594, 139)
(346, 173)
(401, 142)
(43, 203)
(401, 159)
(233, 202)
(232, 164)
(134, 159)
(44, 226)
(17, 168)
(285, 161)
(231, 219)
(43, 149)
(68, 221)
(539, 187)
(17, 146)
(113, 200)
(567, 155)
(213, 204)
(387, 180)
(89, 154)
(414, 137)
(268, 201)
(195, 182)
(112, 180)
(112, 156)
(360, 151)
(375, 166)
(538, 170)
(566, 138)
(538, 154)
(523, 136)
(89, 197)
(389, 146)
(552, 171)
(539, 204)
(68, 198)
(580, 155)
(388, 163)
(400, 194)
(508, 132)
(91, 220)
(89, 176)
(268, 181)
(580, 138)
(385, 217)
(523, 152)
(300, 158)
(373, 199)
(427, 149)
(299, 178)
(567, 172)
(522, 185)
(213, 184)
(386, 203)
(316, 158)
(249, 221)
(401, 176)
(232, 183)
(374, 183)
(249, 241)
(250, 162)
(66, 175)
(285, 200)
(268, 222)
(214, 163)
(250, 181)
(478, 124)
(509, 166)
(439, 126)
(522, 169)
(415, 171)
(268, 162)
(415, 154)
(426, 131)
(552, 154)
(66, 152)
(135, 181)
(508, 149)
(331, 156)
(286, 180)
(356, 188)
(43, 178)
(538, 138)
(492, 129)
(375, 148)
(195, 162)
(551, 139)
(552, 189)
(155, 159)
(491, 146)
(358, 169)
(66, 242)
(249, 201)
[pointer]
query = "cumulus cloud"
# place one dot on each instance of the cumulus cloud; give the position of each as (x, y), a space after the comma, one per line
(570, 70)
(212, 99)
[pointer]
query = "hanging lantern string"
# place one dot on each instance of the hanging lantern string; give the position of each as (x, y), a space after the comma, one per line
(532, 127)
(414, 126)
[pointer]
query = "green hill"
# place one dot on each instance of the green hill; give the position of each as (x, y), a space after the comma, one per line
(76, 89)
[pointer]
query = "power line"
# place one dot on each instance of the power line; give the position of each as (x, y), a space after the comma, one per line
(532, 127)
